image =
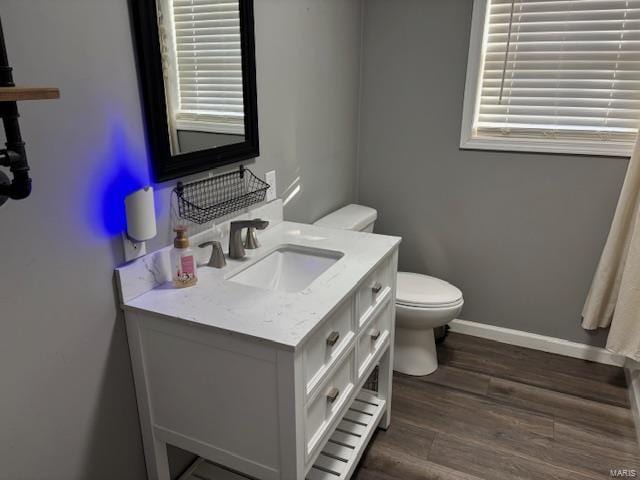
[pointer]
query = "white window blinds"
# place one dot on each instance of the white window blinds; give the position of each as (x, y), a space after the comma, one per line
(560, 70)
(209, 63)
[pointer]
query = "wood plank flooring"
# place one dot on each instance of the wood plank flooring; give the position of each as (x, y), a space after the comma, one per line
(493, 411)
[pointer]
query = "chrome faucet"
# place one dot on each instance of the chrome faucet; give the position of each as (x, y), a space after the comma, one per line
(236, 248)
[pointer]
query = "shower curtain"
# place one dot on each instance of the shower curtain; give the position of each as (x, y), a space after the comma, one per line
(614, 298)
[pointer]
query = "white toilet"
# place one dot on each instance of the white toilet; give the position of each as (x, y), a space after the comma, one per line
(422, 302)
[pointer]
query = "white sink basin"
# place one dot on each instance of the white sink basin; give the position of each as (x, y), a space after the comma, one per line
(289, 268)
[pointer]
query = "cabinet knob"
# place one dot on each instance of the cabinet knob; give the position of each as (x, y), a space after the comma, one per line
(375, 334)
(332, 339)
(376, 288)
(332, 394)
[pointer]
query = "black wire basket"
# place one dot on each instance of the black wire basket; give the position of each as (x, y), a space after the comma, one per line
(211, 198)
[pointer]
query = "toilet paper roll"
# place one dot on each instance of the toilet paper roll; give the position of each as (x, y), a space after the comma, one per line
(141, 214)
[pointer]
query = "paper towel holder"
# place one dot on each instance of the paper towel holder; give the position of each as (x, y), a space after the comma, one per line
(141, 223)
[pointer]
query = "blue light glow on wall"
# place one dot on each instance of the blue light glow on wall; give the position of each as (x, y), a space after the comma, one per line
(122, 169)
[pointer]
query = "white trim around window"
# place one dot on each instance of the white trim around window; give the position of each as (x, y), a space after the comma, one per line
(535, 140)
(209, 123)
(209, 127)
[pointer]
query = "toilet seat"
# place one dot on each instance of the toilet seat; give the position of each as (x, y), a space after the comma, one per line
(422, 291)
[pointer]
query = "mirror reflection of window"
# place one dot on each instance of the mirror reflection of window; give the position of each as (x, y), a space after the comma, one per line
(202, 63)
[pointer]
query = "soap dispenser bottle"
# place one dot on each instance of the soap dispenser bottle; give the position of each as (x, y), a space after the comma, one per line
(183, 260)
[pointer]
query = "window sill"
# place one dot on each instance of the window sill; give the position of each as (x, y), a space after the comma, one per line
(568, 147)
(210, 127)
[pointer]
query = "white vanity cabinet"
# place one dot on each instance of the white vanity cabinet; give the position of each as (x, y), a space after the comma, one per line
(264, 405)
(259, 409)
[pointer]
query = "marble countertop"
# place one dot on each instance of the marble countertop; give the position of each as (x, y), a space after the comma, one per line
(283, 318)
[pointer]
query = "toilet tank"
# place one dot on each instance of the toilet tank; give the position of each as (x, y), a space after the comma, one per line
(351, 217)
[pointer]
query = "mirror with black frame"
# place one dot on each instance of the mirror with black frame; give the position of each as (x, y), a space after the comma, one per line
(196, 61)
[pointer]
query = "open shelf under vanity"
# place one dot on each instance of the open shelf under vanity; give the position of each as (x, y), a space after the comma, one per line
(342, 452)
(338, 457)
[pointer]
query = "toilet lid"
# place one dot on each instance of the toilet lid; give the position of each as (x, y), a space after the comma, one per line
(419, 290)
(352, 217)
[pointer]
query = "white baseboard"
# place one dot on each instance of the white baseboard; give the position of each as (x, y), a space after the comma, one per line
(537, 342)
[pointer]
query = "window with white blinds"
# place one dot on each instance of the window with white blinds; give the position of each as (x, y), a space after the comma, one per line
(208, 65)
(554, 75)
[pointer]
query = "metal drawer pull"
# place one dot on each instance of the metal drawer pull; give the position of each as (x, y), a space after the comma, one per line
(375, 334)
(376, 288)
(332, 394)
(332, 339)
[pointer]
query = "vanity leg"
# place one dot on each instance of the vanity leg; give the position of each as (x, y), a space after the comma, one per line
(385, 373)
(385, 379)
(155, 450)
(160, 462)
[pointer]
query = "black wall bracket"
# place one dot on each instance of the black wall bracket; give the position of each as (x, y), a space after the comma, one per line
(14, 155)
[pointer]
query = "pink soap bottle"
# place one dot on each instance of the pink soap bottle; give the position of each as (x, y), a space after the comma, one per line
(183, 260)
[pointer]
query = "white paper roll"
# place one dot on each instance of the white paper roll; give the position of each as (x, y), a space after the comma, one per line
(141, 214)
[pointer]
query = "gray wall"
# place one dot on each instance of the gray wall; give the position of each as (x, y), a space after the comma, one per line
(520, 234)
(67, 408)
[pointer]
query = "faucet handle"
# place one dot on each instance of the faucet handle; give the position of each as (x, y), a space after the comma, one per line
(217, 259)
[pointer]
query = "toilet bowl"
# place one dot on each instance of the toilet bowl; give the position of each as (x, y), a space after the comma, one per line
(422, 302)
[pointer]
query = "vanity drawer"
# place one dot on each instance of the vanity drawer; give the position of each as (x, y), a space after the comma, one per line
(326, 345)
(374, 290)
(373, 337)
(327, 403)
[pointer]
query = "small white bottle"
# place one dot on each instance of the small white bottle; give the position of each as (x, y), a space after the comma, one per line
(183, 260)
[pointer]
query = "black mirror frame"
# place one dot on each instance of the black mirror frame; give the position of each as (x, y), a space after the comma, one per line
(166, 166)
